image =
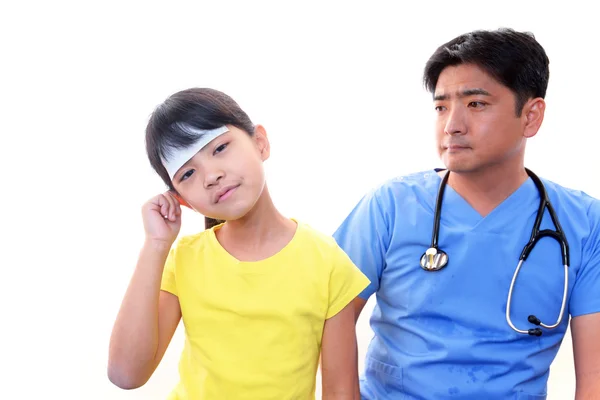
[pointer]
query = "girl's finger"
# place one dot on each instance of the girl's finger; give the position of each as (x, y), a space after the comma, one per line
(164, 205)
(172, 215)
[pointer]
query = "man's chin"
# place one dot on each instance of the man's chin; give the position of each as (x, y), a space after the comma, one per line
(459, 166)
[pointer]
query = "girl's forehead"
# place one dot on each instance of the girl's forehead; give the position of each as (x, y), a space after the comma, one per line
(179, 156)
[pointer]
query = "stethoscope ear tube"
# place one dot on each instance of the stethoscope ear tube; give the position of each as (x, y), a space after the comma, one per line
(435, 259)
(438, 212)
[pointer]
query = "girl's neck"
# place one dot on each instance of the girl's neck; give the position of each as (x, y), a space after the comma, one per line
(264, 226)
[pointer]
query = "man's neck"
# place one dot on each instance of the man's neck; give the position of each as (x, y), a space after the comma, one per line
(486, 189)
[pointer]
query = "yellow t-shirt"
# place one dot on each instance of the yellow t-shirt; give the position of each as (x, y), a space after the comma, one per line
(253, 329)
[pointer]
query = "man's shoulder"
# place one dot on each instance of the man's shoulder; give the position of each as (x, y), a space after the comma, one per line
(578, 211)
(572, 199)
(414, 184)
(419, 178)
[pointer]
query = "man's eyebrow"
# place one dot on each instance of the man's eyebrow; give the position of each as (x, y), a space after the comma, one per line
(476, 91)
(464, 93)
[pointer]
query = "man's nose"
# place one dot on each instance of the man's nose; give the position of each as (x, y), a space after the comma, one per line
(455, 122)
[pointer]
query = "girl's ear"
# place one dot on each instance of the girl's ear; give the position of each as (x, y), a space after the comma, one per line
(260, 136)
(181, 200)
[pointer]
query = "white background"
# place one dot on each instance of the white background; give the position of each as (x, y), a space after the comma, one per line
(337, 86)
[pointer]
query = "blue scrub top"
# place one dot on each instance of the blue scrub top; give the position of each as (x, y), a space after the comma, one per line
(443, 335)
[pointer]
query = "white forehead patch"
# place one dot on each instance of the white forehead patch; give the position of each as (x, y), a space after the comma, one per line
(178, 157)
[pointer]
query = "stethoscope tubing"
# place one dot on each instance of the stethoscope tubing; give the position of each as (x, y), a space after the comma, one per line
(435, 259)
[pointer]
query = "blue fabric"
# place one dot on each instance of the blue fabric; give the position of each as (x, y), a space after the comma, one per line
(443, 335)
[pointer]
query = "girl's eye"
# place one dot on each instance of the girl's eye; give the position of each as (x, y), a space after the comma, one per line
(186, 175)
(220, 148)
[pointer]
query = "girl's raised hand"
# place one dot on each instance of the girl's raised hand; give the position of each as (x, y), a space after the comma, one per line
(162, 218)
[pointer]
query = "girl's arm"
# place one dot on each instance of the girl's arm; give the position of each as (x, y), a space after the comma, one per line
(148, 316)
(339, 357)
(145, 324)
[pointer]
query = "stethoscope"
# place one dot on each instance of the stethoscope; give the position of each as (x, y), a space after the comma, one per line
(435, 259)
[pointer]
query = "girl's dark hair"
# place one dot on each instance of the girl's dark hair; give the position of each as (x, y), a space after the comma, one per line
(198, 108)
(515, 59)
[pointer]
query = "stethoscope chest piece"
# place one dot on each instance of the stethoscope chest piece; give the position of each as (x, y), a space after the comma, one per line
(434, 259)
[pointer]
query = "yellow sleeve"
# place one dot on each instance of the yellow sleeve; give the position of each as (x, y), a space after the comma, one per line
(168, 277)
(345, 282)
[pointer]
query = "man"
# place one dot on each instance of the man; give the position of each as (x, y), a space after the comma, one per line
(444, 332)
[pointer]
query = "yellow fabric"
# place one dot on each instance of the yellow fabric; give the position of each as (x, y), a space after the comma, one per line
(253, 329)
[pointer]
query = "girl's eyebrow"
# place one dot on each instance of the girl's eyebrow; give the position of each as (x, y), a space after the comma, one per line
(181, 169)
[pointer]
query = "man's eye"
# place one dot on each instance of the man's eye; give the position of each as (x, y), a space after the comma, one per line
(476, 104)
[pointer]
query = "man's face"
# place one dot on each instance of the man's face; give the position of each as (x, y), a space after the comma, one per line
(476, 126)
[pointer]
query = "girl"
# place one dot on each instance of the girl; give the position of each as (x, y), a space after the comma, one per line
(262, 296)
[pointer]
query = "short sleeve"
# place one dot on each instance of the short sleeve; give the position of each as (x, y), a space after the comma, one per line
(346, 281)
(168, 277)
(585, 296)
(364, 236)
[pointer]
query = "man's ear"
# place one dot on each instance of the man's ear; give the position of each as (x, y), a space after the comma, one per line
(533, 116)
(262, 141)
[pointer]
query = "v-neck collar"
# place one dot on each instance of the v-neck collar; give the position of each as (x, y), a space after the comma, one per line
(456, 211)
